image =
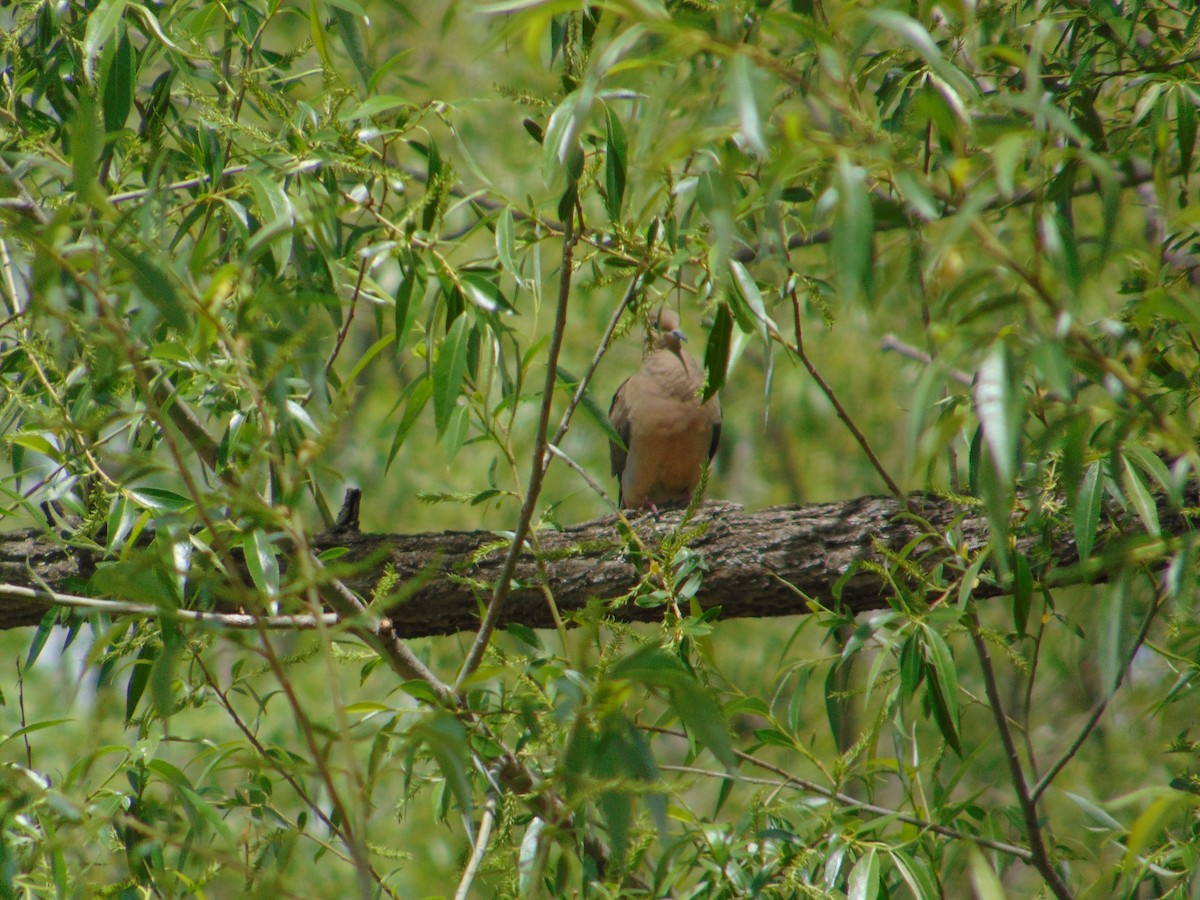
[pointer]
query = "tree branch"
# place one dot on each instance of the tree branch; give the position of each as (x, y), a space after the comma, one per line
(774, 562)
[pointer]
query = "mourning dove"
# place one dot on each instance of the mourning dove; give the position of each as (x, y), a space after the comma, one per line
(668, 433)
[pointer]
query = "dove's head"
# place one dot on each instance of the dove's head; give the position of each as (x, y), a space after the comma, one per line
(667, 335)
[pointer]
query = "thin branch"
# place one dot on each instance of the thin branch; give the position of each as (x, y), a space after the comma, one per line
(894, 344)
(1139, 173)
(1033, 826)
(184, 185)
(272, 760)
(121, 608)
(1098, 711)
(841, 410)
(537, 470)
(601, 349)
(479, 849)
(345, 329)
(25, 201)
(791, 781)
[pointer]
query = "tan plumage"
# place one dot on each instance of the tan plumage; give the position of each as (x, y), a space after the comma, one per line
(668, 433)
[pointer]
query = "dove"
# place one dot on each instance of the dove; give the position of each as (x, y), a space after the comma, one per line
(668, 433)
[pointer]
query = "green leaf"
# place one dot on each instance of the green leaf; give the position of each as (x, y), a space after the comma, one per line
(1143, 502)
(278, 220)
(102, 24)
(741, 73)
(1152, 465)
(118, 84)
(591, 408)
(446, 740)
(616, 146)
(120, 521)
(695, 706)
(863, 883)
(261, 562)
(1022, 592)
(943, 688)
(448, 372)
(505, 243)
(852, 244)
(405, 312)
(352, 37)
(418, 393)
(916, 36)
(158, 498)
(139, 677)
(716, 352)
(153, 284)
(373, 106)
(561, 152)
(916, 874)
(1153, 819)
(983, 877)
(1185, 129)
(993, 404)
(912, 665)
(1087, 511)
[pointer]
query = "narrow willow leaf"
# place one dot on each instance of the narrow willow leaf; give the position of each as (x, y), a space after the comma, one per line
(352, 38)
(749, 119)
(120, 520)
(527, 859)
(852, 246)
(863, 883)
(153, 284)
(275, 212)
(449, 369)
(992, 404)
(1147, 827)
(1185, 129)
(1022, 592)
(505, 243)
(317, 30)
(405, 312)
(161, 499)
(716, 353)
(418, 394)
(1139, 495)
(1115, 632)
(615, 159)
(102, 24)
(983, 877)
(560, 149)
(916, 874)
(445, 739)
(591, 407)
(1151, 464)
(261, 562)
(943, 688)
(1087, 511)
(139, 678)
(117, 89)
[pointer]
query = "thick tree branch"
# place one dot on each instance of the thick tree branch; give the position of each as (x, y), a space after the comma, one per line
(762, 564)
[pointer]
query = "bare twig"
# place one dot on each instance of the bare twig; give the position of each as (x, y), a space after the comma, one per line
(121, 608)
(601, 349)
(1098, 711)
(894, 344)
(861, 438)
(791, 781)
(479, 849)
(25, 201)
(1033, 825)
(537, 470)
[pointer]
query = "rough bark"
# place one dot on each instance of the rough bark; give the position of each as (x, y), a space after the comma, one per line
(760, 564)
